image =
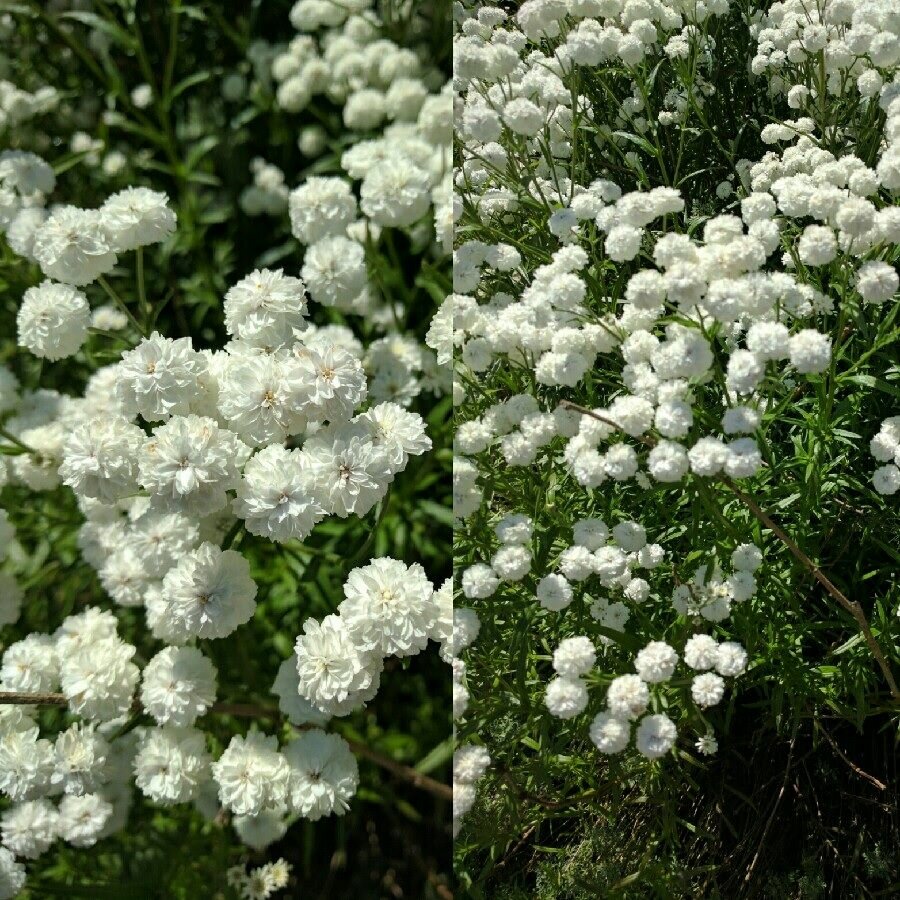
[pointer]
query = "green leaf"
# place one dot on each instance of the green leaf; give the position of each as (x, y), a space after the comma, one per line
(115, 32)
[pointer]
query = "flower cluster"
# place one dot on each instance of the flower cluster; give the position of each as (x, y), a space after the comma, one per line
(885, 447)
(262, 882)
(389, 609)
(192, 457)
(268, 195)
(619, 338)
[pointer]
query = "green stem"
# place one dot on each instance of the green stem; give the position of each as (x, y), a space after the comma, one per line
(142, 292)
(110, 335)
(121, 304)
(14, 440)
(233, 535)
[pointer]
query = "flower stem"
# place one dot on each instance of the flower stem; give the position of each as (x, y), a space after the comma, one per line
(14, 440)
(121, 304)
(142, 291)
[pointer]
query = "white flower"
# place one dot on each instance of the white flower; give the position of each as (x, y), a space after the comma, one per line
(274, 497)
(700, 651)
(656, 662)
(590, 533)
(329, 664)
(466, 626)
(178, 685)
(627, 697)
(707, 689)
(327, 381)
(810, 351)
(257, 400)
(100, 458)
(323, 774)
(479, 581)
(260, 831)
(80, 759)
(25, 172)
(668, 462)
(12, 875)
(886, 479)
(160, 539)
(743, 458)
(99, 678)
(348, 474)
(566, 697)
(877, 281)
(53, 320)
(609, 733)
(136, 217)
(470, 762)
(574, 656)
(395, 193)
(512, 562)
(731, 659)
(397, 431)
(708, 456)
(81, 630)
(190, 463)
(746, 558)
(577, 563)
(655, 736)
(72, 246)
(159, 377)
(768, 340)
(334, 269)
(554, 592)
(252, 775)
(321, 207)
(142, 96)
(442, 629)
(817, 245)
(30, 665)
(737, 420)
(39, 470)
(27, 762)
(124, 577)
(286, 687)
(266, 309)
(209, 593)
(460, 700)
(389, 607)
(610, 564)
(82, 819)
(440, 334)
(171, 764)
(29, 829)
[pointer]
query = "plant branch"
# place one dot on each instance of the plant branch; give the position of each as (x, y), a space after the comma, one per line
(405, 773)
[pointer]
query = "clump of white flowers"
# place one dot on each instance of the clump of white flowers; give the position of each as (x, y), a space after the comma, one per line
(617, 338)
(173, 452)
(268, 195)
(885, 447)
(261, 882)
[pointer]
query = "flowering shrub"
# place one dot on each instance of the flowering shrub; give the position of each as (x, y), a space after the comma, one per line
(224, 528)
(675, 338)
